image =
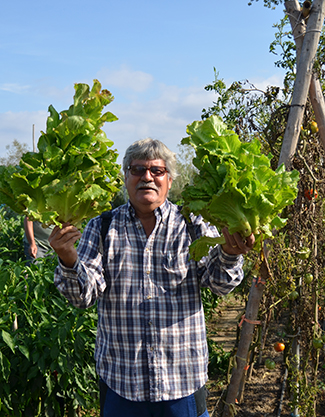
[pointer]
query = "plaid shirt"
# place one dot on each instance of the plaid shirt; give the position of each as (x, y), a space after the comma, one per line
(151, 337)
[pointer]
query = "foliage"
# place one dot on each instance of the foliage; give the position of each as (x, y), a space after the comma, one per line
(284, 47)
(74, 175)
(235, 186)
(268, 3)
(46, 345)
(218, 359)
(185, 171)
(11, 234)
(251, 112)
(304, 315)
(14, 153)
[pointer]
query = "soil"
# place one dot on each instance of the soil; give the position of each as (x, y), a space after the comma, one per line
(263, 388)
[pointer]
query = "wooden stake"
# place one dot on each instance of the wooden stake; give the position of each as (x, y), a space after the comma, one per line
(302, 83)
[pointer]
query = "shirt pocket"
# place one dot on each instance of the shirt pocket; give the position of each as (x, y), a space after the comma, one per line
(174, 270)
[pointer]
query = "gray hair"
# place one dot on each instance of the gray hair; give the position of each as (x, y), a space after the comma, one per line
(151, 149)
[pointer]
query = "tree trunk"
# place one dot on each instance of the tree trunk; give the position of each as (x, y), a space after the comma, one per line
(302, 83)
(250, 317)
(298, 26)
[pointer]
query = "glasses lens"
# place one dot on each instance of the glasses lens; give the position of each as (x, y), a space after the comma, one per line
(137, 170)
(157, 171)
(140, 170)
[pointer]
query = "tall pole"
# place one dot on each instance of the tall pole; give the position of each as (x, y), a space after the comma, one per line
(34, 146)
(302, 83)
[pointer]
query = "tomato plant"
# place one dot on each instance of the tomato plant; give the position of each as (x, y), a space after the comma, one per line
(279, 346)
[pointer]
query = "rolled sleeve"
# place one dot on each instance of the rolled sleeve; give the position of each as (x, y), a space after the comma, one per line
(83, 284)
(223, 272)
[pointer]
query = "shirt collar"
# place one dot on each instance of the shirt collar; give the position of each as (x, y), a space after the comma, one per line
(163, 210)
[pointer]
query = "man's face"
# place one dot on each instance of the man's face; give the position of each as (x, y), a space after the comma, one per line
(147, 192)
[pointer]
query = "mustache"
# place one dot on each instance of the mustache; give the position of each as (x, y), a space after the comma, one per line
(143, 184)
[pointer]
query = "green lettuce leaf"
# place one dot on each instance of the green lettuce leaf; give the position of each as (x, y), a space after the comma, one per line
(235, 185)
(74, 175)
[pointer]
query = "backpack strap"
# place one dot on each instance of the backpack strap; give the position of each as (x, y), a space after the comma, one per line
(106, 217)
(189, 224)
(190, 228)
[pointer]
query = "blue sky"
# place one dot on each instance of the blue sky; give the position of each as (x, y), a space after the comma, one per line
(154, 56)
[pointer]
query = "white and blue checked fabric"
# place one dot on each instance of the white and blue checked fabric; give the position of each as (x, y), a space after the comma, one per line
(151, 338)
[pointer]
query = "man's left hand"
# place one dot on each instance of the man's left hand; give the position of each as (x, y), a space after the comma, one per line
(236, 244)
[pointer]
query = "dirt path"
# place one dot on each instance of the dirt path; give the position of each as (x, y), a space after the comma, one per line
(263, 390)
(223, 328)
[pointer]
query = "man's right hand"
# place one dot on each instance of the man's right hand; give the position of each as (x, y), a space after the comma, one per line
(62, 241)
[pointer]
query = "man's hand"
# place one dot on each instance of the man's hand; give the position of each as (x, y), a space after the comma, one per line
(62, 241)
(235, 244)
(32, 250)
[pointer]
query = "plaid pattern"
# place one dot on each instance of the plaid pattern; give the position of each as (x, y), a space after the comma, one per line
(151, 339)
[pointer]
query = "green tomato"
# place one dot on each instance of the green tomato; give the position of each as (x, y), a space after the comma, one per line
(303, 253)
(323, 337)
(293, 295)
(317, 343)
(309, 278)
(269, 364)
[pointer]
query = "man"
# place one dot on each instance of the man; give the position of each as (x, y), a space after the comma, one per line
(36, 243)
(151, 351)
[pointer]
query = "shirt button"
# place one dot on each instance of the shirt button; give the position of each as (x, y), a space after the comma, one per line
(148, 297)
(150, 322)
(151, 348)
(148, 272)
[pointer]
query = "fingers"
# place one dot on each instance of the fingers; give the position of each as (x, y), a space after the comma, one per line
(62, 241)
(33, 251)
(63, 235)
(235, 244)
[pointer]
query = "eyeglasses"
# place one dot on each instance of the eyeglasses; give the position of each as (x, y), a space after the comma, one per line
(140, 170)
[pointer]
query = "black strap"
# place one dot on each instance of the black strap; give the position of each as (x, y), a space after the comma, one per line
(189, 225)
(190, 228)
(106, 217)
(106, 221)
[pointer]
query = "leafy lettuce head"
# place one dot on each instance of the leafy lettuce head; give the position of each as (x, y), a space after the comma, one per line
(74, 174)
(235, 185)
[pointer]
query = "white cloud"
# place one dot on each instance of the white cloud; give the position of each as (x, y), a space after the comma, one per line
(164, 118)
(262, 84)
(125, 78)
(19, 126)
(14, 88)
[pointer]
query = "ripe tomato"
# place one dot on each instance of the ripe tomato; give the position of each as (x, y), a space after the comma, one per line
(310, 194)
(313, 127)
(269, 364)
(279, 347)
